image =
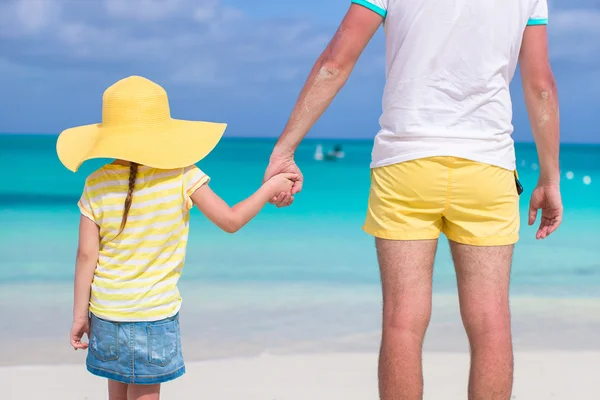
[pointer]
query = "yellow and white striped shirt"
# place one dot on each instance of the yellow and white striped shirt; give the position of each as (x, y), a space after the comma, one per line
(137, 273)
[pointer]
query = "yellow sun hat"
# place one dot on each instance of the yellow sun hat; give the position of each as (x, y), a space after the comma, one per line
(137, 126)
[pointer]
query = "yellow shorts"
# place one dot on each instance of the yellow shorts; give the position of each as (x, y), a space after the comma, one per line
(470, 202)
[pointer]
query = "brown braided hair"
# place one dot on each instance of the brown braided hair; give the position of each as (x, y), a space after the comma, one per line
(133, 169)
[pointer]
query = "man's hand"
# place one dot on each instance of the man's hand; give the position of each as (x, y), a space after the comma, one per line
(284, 164)
(546, 198)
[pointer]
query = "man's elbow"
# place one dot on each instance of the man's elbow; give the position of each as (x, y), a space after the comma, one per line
(330, 69)
(542, 86)
(334, 68)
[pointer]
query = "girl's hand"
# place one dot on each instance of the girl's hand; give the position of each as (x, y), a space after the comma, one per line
(282, 183)
(80, 326)
(278, 164)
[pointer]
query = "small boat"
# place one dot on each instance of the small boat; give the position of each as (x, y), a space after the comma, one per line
(319, 153)
(335, 154)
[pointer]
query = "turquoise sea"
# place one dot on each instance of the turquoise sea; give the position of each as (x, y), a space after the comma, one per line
(294, 278)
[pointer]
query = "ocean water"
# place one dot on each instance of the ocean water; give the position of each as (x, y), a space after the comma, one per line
(292, 273)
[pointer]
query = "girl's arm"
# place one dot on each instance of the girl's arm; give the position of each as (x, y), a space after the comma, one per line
(232, 219)
(87, 259)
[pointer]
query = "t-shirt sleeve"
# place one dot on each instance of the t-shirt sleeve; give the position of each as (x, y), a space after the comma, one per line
(193, 179)
(86, 204)
(540, 13)
(378, 6)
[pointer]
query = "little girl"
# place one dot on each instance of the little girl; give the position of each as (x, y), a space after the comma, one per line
(134, 229)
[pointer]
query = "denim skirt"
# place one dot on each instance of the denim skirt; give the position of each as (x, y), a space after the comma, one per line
(144, 353)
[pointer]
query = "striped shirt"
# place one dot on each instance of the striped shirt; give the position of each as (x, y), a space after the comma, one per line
(137, 272)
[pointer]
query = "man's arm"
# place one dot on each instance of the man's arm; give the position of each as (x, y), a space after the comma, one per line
(541, 99)
(329, 74)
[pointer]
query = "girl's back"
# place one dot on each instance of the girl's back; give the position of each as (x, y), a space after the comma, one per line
(139, 267)
(133, 232)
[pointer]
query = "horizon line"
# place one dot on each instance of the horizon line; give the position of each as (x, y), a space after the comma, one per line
(273, 138)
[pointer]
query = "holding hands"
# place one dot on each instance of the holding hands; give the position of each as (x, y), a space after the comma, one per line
(281, 183)
(288, 179)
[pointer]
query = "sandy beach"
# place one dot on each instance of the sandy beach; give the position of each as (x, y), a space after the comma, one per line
(538, 376)
(294, 352)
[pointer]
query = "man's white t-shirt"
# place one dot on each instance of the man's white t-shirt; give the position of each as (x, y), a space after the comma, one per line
(449, 66)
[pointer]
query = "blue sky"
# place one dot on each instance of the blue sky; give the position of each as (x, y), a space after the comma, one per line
(237, 61)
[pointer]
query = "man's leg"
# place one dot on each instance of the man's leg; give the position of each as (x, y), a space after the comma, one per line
(483, 275)
(406, 275)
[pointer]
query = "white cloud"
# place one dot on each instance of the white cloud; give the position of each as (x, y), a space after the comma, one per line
(580, 21)
(231, 14)
(202, 72)
(212, 11)
(200, 42)
(206, 12)
(35, 14)
(24, 17)
(143, 10)
(574, 35)
(206, 42)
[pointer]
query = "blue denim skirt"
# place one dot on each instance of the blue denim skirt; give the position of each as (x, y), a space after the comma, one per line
(144, 353)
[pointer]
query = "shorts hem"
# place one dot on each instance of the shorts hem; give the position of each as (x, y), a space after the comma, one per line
(402, 235)
(484, 241)
(137, 379)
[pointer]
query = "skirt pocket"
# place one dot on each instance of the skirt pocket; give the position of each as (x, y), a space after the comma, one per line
(163, 341)
(104, 343)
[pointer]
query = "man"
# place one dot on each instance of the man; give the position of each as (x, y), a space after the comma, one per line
(444, 161)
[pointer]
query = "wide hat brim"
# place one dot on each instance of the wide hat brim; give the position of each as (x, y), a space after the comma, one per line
(169, 145)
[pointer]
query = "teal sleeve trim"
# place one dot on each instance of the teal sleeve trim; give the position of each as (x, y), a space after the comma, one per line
(371, 7)
(537, 21)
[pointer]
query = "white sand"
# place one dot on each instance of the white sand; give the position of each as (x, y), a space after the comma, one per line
(538, 376)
